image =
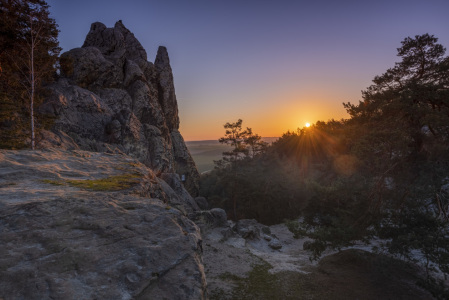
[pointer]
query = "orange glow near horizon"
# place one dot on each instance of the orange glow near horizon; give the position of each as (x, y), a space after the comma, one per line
(269, 118)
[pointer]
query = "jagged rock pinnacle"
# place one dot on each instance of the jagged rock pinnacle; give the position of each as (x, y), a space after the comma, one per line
(111, 97)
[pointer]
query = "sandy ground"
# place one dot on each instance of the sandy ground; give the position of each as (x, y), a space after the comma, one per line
(237, 256)
(224, 257)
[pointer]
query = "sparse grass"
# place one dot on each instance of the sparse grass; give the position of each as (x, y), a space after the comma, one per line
(259, 284)
(54, 182)
(135, 164)
(126, 166)
(111, 183)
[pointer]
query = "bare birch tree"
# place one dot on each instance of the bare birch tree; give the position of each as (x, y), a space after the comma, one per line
(33, 51)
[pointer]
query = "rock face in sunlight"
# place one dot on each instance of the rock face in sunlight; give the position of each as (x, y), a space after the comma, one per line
(89, 225)
(103, 210)
(110, 98)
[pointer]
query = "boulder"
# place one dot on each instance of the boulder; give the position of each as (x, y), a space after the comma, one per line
(202, 203)
(219, 216)
(175, 183)
(248, 228)
(216, 217)
(307, 245)
(267, 237)
(275, 244)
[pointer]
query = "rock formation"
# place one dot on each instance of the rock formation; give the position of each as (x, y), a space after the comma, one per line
(109, 214)
(110, 98)
(85, 225)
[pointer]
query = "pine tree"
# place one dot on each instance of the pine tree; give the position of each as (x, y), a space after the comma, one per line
(28, 55)
(410, 98)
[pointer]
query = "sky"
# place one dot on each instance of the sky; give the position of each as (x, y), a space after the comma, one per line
(274, 64)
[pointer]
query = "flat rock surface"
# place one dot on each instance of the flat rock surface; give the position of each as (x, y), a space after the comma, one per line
(60, 240)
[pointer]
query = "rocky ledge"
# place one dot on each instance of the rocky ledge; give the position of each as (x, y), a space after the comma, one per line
(85, 225)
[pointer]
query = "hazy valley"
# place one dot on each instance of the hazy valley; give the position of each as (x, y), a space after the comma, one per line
(204, 153)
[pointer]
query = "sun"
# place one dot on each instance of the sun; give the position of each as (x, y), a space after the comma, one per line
(307, 124)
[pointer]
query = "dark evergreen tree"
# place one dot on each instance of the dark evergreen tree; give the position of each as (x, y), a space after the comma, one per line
(383, 172)
(399, 135)
(410, 102)
(28, 55)
(235, 136)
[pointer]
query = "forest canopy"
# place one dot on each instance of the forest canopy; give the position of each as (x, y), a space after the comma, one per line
(381, 174)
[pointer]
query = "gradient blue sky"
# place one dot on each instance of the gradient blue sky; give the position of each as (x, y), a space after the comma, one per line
(274, 64)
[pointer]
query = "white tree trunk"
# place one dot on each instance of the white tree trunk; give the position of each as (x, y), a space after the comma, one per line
(32, 94)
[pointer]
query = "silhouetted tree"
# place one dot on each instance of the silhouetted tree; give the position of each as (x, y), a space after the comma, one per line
(251, 182)
(254, 143)
(234, 136)
(411, 99)
(399, 134)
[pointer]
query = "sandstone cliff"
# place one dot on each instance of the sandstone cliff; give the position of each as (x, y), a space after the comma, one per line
(86, 225)
(105, 216)
(111, 98)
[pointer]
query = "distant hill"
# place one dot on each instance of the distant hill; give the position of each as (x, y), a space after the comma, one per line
(205, 152)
